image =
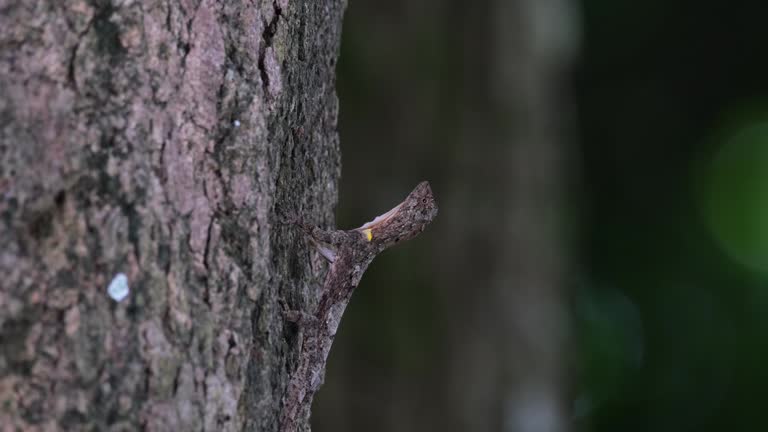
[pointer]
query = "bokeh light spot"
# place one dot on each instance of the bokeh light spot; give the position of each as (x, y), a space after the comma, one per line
(737, 196)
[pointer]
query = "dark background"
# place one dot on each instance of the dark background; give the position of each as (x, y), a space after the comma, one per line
(662, 110)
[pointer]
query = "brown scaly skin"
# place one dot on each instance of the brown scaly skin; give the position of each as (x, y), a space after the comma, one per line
(350, 252)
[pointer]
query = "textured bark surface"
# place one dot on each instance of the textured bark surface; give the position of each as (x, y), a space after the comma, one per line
(159, 139)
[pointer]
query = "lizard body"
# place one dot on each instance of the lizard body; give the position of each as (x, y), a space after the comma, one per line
(349, 252)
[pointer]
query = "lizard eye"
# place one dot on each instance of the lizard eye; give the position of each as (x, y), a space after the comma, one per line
(423, 200)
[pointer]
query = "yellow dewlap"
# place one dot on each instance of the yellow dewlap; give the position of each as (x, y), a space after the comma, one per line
(368, 234)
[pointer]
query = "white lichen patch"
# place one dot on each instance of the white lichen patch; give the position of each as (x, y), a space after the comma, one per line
(118, 288)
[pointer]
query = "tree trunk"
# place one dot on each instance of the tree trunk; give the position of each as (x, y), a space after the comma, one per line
(162, 140)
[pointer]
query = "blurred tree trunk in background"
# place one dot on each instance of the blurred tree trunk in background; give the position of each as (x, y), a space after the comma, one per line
(524, 318)
(162, 140)
(473, 328)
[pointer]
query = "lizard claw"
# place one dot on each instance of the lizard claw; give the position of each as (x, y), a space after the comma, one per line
(288, 219)
(296, 316)
(310, 232)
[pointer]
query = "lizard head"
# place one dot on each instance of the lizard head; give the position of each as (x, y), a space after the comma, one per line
(422, 202)
(405, 221)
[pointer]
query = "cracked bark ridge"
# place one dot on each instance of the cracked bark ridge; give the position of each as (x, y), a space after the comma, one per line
(350, 253)
(155, 138)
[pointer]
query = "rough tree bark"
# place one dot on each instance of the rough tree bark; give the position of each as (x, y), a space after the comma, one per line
(160, 139)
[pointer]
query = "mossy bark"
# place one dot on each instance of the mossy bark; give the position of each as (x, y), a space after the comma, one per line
(163, 140)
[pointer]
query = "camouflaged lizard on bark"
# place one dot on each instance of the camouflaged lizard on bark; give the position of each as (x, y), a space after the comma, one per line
(349, 252)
